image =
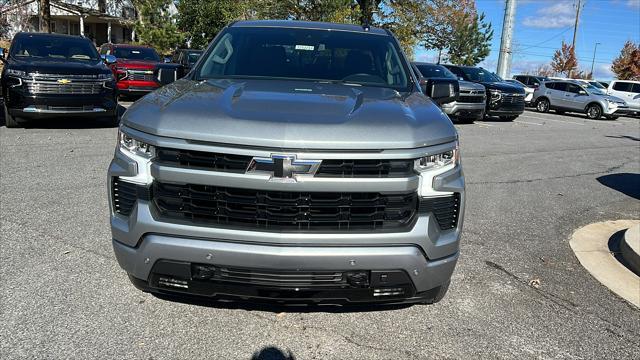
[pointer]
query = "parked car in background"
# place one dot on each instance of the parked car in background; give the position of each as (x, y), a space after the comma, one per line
(185, 58)
(604, 83)
(51, 75)
(574, 96)
(532, 81)
(139, 69)
(528, 91)
(503, 99)
(469, 105)
(627, 90)
(297, 162)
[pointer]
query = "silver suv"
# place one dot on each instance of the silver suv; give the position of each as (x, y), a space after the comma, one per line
(297, 162)
(573, 96)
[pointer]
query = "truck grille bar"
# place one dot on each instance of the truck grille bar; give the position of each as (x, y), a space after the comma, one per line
(53, 87)
(278, 210)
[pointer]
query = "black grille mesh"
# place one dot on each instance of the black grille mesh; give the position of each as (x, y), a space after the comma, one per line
(275, 210)
(124, 196)
(445, 208)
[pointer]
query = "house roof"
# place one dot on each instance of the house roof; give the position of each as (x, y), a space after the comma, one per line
(71, 8)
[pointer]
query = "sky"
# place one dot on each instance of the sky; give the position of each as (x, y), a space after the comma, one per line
(541, 25)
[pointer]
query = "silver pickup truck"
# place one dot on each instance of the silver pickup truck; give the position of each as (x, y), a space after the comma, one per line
(296, 162)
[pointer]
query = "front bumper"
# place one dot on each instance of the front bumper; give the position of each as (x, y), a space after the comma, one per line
(464, 110)
(136, 87)
(424, 252)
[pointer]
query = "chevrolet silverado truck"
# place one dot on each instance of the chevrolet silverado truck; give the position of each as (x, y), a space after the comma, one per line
(297, 162)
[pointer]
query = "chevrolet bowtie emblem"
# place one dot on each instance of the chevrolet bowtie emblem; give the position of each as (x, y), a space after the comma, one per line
(283, 168)
(64, 81)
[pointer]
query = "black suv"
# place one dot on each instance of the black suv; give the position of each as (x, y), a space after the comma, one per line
(503, 99)
(51, 75)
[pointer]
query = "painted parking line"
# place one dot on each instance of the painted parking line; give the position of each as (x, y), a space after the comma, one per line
(602, 121)
(526, 122)
(483, 124)
(556, 120)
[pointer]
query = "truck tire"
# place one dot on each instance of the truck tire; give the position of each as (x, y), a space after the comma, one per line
(9, 120)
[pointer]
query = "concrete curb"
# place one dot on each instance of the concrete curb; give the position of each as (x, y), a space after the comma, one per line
(630, 248)
(591, 246)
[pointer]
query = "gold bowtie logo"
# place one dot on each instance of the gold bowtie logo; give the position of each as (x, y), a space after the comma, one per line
(64, 81)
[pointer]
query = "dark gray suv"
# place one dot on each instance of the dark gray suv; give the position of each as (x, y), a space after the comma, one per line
(297, 162)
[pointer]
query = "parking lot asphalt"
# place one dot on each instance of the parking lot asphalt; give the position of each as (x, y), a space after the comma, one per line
(530, 183)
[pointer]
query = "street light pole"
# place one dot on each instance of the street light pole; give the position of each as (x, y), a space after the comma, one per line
(594, 57)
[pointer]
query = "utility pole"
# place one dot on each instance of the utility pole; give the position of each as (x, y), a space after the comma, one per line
(594, 58)
(575, 28)
(504, 59)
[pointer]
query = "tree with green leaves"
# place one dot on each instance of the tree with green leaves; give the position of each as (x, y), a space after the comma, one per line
(470, 41)
(201, 20)
(155, 26)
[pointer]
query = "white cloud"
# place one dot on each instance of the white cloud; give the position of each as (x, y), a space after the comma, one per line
(558, 15)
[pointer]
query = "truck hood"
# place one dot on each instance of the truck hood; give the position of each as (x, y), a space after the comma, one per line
(468, 85)
(291, 115)
(62, 67)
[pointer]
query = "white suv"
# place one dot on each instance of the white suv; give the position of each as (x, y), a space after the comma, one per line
(629, 91)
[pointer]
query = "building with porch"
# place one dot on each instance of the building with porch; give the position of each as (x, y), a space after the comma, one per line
(102, 21)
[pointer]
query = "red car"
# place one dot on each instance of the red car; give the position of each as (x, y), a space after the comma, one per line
(137, 68)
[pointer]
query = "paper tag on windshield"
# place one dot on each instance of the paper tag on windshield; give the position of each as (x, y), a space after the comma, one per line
(305, 47)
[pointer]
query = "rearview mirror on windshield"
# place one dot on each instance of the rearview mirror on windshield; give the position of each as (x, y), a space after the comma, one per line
(441, 90)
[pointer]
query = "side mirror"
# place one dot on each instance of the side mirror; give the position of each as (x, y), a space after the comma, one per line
(109, 59)
(582, 92)
(441, 91)
(167, 60)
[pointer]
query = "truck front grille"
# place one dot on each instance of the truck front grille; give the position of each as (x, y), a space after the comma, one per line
(141, 75)
(276, 210)
(280, 278)
(53, 87)
(329, 168)
(471, 99)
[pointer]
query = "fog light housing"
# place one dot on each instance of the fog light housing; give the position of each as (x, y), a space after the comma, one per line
(358, 279)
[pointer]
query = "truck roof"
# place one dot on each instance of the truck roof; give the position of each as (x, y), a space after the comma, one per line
(309, 25)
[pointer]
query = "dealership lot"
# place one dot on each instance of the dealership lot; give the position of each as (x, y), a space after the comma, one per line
(530, 184)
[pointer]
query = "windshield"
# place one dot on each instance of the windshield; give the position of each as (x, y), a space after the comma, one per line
(480, 75)
(54, 48)
(306, 54)
(592, 89)
(136, 53)
(596, 85)
(435, 71)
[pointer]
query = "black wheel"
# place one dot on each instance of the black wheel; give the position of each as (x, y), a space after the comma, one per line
(9, 120)
(441, 292)
(542, 105)
(594, 111)
(508, 118)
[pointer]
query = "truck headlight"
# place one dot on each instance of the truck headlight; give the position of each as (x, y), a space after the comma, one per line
(134, 146)
(16, 73)
(437, 161)
(495, 94)
(139, 152)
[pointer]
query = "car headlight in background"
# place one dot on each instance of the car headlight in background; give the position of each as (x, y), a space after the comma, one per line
(495, 94)
(437, 161)
(16, 73)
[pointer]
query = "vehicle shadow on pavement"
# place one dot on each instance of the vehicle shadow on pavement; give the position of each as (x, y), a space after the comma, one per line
(272, 353)
(625, 183)
(70, 123)
(278, 308)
